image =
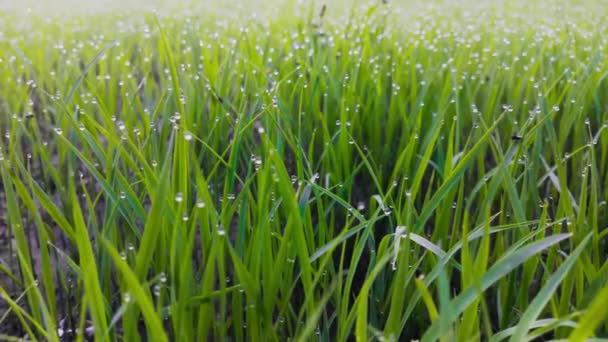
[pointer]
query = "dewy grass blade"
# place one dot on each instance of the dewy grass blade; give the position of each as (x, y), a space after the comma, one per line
(93, 292)
(494, 273)
(543, 297)
(139, 293)
(98, 56)
(458, 172)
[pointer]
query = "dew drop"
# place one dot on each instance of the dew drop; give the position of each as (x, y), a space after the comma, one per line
(360, 206)
(221, 231)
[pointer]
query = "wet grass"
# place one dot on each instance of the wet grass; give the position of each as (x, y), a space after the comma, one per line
(380, 172)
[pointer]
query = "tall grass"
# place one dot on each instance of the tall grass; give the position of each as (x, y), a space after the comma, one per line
(382, 171)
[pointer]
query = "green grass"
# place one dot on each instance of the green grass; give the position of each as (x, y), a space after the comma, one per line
(378, 171)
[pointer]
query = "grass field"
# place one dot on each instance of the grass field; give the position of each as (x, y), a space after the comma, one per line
(379, 170)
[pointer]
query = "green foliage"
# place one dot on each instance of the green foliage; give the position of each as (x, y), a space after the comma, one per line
(389, 172)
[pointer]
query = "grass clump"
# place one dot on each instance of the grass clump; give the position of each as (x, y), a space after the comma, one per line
(313, 172)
